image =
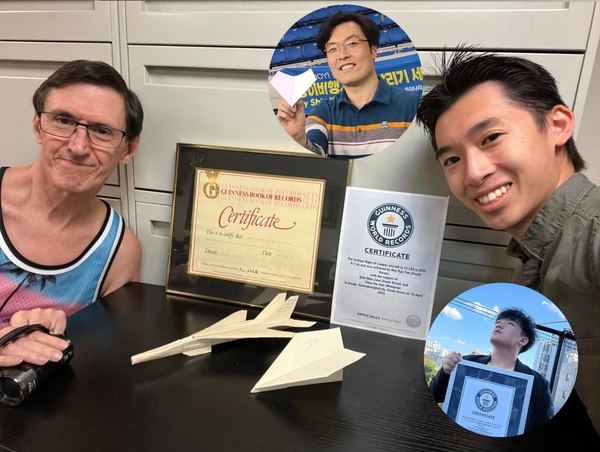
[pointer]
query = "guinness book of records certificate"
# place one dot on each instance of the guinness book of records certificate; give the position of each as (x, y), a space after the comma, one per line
(388, 261)
(256, 228)
(488, 400)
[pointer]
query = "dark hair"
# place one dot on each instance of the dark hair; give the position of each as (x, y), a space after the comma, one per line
(368, 27)
(94, 73)
(524, 83)
(526, 323)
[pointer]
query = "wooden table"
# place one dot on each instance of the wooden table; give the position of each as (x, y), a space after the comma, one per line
(204, 403)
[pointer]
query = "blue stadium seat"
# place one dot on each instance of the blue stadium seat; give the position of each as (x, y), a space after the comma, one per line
(293, 53)
(375, 17)
(387, 22)
(278, 56)
(320, 14)
(311, 51)
(397, 35)
(384, 38)
(290, 36)
(337, 9)
(355, 9)
(307, 32)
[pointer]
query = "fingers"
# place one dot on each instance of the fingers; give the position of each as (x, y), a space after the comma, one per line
(450, 361)
(10, 361)
(53, 319)
(35, 348)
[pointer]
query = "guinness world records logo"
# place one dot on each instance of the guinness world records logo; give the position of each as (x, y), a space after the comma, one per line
(390, 225)
(486, 400)
(211, 188)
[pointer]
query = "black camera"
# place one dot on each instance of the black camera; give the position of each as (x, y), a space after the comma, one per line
(18, 382)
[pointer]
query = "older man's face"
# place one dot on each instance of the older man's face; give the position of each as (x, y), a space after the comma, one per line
(75, 164)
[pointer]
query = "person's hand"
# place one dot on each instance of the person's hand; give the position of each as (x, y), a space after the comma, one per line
(53, 319)
(450, 360)
(292, 120)
(37, 347)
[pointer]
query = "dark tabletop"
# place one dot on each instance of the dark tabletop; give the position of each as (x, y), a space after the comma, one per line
(100, 402)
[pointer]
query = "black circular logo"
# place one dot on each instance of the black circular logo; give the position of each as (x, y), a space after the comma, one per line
(486, 400)
(390, 225)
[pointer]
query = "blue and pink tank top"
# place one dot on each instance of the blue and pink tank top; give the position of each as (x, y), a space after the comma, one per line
(69, 287)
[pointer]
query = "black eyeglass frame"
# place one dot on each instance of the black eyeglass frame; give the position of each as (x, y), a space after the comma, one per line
(87, 126)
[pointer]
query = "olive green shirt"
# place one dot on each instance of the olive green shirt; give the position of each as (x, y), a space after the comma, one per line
(561, 259)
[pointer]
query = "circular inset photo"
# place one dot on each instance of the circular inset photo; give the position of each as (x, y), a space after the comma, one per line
(500, 359)
(345, 81)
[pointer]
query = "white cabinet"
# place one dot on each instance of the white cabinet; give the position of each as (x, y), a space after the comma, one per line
(153, 230)
(57, 20)
(499, 25)
(200, 95)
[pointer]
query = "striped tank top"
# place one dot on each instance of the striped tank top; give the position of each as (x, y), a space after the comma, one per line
(69, 287)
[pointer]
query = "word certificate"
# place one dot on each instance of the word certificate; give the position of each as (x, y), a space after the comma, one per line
(256, 228)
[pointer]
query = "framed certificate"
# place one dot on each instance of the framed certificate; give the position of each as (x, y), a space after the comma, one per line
(249, 224)
(488, 400)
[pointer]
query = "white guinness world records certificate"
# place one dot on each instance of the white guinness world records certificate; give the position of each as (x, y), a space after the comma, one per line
(488, 400)
(388, 260)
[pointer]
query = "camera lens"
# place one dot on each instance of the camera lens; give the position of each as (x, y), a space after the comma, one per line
(16, 383)
(11, 393)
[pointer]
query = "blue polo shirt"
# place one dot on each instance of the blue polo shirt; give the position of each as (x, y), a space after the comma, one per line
(336, 128)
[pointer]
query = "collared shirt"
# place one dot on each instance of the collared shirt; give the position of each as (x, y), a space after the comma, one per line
(338, 128)
(561, 259)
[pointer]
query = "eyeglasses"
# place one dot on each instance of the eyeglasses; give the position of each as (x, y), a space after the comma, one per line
(61, 126)
(331, 49)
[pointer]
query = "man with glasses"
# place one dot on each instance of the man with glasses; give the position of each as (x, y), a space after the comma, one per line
(61, 248)
(367, 115)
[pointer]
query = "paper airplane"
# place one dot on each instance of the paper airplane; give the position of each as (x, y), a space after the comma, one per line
(292, 87)
(311, 357)
(275, 315)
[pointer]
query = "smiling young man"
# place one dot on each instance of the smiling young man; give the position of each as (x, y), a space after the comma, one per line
(513, 333)
(503, 137)
(367, 115)
(61, 247)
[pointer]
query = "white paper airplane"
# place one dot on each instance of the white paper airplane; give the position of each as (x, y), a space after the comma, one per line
(292, 87)
(309, 358)
(275, 315)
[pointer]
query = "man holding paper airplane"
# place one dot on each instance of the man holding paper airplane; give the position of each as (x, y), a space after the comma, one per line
(513, 333)
(367, 115)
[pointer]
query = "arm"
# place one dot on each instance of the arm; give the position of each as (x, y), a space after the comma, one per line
(38, 347)
(541, 408)
(293, 120)
(310, 132)
(126, 266)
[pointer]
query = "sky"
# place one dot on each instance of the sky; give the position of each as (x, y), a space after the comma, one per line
(463, 326)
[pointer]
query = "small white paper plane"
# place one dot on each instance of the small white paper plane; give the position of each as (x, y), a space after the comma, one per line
(292, 87)
(275, 315)
(309, 358)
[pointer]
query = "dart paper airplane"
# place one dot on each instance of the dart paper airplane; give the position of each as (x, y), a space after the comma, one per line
(275, 315)
(292, 87)
(311, 357)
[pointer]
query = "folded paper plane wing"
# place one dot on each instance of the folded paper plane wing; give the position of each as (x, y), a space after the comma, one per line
(235, 326)
(309, 358)
(292, 87)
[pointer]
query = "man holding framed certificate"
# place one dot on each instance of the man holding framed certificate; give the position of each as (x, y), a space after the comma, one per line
(513, 333)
